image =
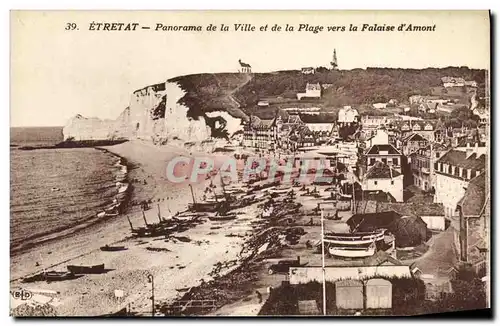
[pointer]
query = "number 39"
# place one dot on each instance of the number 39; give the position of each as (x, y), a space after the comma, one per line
(70, 27)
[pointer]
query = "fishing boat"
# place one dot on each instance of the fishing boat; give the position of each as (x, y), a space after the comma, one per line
(279, 190)
(354, 251)
(50, 276)
(113, 248)
(95, 269)
(357, 238)
(222, 217)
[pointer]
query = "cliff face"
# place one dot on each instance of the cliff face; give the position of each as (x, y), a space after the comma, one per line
(156, 113)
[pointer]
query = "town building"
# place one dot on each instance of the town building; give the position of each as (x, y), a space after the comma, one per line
(312, 91)
(422, 165)
(260, 133)
(454, 170)
(387, 154)
(347, 116)
(379, 105)
(382, 177)
(245, 67)
(426, 128)
(473, 212)
(308, 70)
(411, 143)
(371, 123)
(453, 82)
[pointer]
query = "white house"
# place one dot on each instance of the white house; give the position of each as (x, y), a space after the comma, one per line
(379, 105)
(312, 90)
(453, 81)
(347, 116)
(308, 70)
(381, 137)
(382, 177)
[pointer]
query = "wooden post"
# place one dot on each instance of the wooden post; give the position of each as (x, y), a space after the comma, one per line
(192, 193)
(131, 227)
(159, 214)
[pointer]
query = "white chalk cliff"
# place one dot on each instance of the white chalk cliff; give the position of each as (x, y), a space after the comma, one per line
(154, 114)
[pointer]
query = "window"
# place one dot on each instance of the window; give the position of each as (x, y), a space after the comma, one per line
(395, 161)
(384, 160)
(372, 161)
(375, 182)
(392, 182)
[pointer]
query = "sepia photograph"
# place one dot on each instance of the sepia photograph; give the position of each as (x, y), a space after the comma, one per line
(249, 163)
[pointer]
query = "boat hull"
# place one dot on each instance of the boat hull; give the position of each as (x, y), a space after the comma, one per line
(354, 238)
(96, 269)
(351, 252)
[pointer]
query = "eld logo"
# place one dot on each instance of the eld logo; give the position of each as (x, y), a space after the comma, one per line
(21, 294)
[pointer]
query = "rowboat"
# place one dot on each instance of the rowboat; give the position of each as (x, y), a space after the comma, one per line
(353, 251)
(358, 238)
(279, 190)
(204, 206)
(50, 276)
(113, 248)
(95, 269)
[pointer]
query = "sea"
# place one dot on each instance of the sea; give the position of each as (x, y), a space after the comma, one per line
(56, 192)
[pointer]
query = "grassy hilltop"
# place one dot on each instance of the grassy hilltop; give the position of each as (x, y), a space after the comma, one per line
(239, 93)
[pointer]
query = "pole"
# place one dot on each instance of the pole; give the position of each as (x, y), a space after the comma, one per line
(152, 281)
(323, 260)
(192, 193)
(159, 213)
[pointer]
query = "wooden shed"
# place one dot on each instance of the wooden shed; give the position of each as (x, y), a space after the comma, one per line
(378, 294)
(349, 294)
(308, 307)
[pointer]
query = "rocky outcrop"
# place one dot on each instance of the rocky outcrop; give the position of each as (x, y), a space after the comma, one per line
(156, 113)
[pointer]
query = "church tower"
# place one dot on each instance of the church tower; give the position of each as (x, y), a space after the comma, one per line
(334, 61)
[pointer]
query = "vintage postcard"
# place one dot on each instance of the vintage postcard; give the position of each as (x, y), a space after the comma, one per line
(249, 163)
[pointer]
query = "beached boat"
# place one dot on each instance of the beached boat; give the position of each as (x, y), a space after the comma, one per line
(113, 248)
(204, 206)
(279, 190)
(95, 269)
(357, 238)
(50, 276)
(357, 251)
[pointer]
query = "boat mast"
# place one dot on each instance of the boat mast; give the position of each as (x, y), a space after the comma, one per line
(131, 227)
(144, 217)
(323, 260)
(159, 214)
(192, 193)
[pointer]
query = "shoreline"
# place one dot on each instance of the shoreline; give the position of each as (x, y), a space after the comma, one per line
(92, 219)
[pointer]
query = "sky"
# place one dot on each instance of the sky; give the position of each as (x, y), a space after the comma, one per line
(56, 73)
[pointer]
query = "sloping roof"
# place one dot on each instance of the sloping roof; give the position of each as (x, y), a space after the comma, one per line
(372, 220)
(460, 159)
(376, 149)
(471, 142)
(379, 258)
(381, 171)
(475, 196)
(413, 137)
